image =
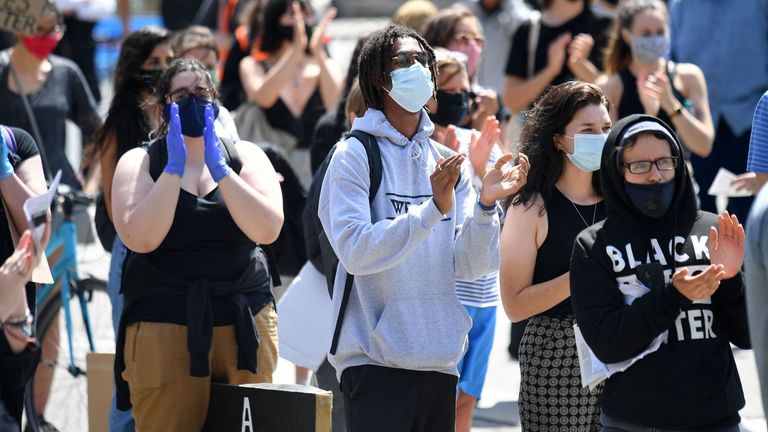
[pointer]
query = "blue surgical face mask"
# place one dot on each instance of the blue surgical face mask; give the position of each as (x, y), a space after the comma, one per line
(649, 49)
(652, 200)
(587, 151)
(411, 87)
(192, 116)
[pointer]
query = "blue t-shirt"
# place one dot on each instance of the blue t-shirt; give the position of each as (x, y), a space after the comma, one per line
(757, 160)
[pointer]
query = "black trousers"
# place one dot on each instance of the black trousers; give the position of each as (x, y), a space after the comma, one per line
(729, 151)
(384, 399)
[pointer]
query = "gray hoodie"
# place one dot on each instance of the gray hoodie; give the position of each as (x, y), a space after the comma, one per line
(403, 311)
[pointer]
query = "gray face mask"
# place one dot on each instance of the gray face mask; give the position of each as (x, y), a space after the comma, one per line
(649, 49)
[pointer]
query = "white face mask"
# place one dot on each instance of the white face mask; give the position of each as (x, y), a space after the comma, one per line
(412, 87)
(587, 151)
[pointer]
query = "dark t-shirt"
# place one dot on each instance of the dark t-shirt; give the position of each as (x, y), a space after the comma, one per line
(64, 95)
(586, 22)
(25, 149)
(180, 14)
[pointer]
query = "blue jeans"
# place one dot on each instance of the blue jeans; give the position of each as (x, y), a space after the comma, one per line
(119, 421)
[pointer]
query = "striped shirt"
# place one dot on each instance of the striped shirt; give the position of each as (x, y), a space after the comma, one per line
(757, 160)
(483, 292)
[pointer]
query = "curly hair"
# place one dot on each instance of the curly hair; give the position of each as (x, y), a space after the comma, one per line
(375, 58)
(549, 116)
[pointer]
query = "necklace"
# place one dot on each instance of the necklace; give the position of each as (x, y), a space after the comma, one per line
(594, 213)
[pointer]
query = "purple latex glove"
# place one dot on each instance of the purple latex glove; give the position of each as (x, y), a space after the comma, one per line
(177, 150)
(214, 158)
(6, 169)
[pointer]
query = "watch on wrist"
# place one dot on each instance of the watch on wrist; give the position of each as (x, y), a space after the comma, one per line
(678, 109)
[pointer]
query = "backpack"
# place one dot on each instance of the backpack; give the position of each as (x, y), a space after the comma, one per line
(319, 249)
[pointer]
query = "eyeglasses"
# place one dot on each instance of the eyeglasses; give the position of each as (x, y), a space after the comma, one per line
(641, 167)
(466, 37)
(405, 59)
(182, 96)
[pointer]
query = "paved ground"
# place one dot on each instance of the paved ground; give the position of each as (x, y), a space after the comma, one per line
(497, 411)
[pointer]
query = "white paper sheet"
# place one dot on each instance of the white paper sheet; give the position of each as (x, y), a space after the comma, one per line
(721, 185)
(36, 212)
(305, 322)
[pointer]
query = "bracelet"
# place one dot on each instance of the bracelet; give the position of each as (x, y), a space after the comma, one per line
(676, 112)
(23, 323)
(485, 207)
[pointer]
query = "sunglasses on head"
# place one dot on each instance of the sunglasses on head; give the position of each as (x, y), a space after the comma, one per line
(182, 96)
(405, 59)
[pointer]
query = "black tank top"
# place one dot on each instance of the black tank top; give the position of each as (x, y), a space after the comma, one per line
(630, 99)
(565, 221)
(303, 127)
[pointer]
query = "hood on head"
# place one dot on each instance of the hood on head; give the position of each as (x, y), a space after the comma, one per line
(617, 202)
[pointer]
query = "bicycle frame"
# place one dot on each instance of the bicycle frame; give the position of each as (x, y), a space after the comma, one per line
(65, 271)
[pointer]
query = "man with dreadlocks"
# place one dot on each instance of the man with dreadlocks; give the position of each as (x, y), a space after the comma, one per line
(404, 329)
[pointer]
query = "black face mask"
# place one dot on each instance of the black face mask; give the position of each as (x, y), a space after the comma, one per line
(451, 108)
(286, 32)
(652, 200)
(147, 80)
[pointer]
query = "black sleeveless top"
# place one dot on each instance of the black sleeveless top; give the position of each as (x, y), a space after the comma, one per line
(565, 221)
(630, 99)
(303, 127)
(205, 273)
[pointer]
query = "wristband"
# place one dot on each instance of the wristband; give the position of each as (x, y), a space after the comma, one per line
(485, 207)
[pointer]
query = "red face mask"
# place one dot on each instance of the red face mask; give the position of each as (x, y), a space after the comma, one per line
(41, 46)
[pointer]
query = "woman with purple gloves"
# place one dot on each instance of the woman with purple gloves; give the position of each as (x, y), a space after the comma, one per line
(193, 208)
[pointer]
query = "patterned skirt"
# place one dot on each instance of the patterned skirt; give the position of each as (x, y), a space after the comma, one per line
(551, 396)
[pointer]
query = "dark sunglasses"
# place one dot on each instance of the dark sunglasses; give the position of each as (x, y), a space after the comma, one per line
(182, 96)
(405, 59)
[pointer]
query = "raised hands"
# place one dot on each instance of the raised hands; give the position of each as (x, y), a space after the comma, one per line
(481, 146)
(726, 246)
(14, 273)
(318, 35)
(6, 169)
(214, 159)
(177, 150)
(556, 53)
(499, 183)
(655, 92)
(299, 29)
(700, 286)
(443, 180)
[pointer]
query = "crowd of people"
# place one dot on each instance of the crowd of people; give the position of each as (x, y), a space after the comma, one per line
(553, 156)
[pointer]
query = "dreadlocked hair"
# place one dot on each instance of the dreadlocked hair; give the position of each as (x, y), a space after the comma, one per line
(375, 59)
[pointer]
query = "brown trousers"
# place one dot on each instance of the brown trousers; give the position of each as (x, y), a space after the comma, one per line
(164, 396)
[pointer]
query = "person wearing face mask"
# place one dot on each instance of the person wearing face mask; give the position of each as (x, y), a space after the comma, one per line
(198, 42)
(659, 267)
(479, 296)
(456, 29)
(144, 55)
(56, 91)
(403, 330)
(563, 136)
(192, 208)
(297, 82)
(639, 80)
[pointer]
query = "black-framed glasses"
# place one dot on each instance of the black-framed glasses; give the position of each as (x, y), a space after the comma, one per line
(405, 59)
(641, 167)
(182, 96)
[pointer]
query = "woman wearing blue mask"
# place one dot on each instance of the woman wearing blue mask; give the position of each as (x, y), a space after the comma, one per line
(198, 308)
(639, 80)
(563, 137)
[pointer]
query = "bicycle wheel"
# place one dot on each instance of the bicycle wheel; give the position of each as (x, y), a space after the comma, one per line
(66, 391)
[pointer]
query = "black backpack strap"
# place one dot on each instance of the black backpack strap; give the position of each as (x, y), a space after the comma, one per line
(375, 168)
(234, 157)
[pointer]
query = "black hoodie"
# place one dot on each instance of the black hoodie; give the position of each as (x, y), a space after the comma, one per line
(691, 382)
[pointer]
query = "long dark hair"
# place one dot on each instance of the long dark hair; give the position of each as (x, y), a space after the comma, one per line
(186, 64)
(349, 81)
(271, 38)
(375, 58)
(549, 116)
(618, 54)
(125, 118)
(441, 28)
